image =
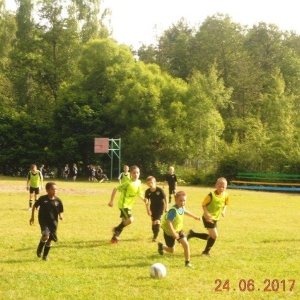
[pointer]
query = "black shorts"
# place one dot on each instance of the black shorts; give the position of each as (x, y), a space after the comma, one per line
(125, 213)
(170, 241)
(172, 190)
(209, 224)
(34, 190)
(47, 232)
(156, 215)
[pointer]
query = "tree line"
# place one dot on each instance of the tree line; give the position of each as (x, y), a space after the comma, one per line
(214, 99)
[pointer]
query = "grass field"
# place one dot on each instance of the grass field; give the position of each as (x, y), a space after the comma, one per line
(256, 256)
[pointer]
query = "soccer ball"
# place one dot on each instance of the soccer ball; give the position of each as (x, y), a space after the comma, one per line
(158, 270)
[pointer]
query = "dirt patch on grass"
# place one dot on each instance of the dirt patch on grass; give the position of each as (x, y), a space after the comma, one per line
(10, 187)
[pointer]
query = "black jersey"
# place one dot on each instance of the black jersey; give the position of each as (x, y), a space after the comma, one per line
(171, 179)
(156, 199)
(49, 211)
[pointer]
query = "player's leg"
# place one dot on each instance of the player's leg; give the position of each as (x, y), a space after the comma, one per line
(186, 248)
(51, 237)
(155, 229)
(156, 217)
(43, 240)
(213, 234)
(193, 234)
(127, 219)
(168, 247)
(36, 194)
(203, 236)
(47, 249)
(170, 194)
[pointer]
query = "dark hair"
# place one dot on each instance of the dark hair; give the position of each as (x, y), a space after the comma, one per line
(49, 185)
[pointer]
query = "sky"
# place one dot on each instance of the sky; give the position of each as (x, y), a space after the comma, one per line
(138, 21)
(135, 22)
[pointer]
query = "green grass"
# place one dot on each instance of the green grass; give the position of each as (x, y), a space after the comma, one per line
(259, 239)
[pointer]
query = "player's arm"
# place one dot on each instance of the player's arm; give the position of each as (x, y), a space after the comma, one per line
(147, 204)
(205, 202)
(42, 179)
(225, 207)
(112, 197)
(31, 221)
(189, 214)
(207, 215)
(120, 178)
(27, 183)
(165, 205)
(61, 216)
(224, 211)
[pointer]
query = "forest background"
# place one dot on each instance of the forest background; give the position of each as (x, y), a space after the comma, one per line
(212, 100)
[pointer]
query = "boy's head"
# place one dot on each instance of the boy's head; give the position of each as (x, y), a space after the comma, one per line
(221, 185)
(51, 189)
(180, 198)
(33, 168)
(151, 182)
(125, 168)
(134, 172)
(171, 170)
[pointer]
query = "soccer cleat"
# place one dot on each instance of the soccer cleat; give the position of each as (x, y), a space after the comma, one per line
(45, 258)
(205, 254)
(190, 234)
(30, 208)
(160, 248)
(154, 240)
(114, 240)
(189, 265)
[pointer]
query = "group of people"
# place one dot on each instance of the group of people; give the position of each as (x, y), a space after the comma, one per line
(170, 220)
(214, 205)
(96, 174)
(67, 171)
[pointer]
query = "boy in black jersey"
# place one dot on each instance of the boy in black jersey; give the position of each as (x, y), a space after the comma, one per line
(156, 204)
(50, 209)
(171, 179)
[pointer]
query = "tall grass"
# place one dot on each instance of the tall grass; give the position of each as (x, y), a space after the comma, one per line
(259, 242)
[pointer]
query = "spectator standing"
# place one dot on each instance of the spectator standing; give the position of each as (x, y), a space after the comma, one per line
(66, 172)
(74, 171)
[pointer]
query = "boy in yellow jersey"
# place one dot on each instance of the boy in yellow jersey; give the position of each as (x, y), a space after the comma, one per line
(129, 190)
(34, 184)
(172, 225)
(125, 175)
(214, 205)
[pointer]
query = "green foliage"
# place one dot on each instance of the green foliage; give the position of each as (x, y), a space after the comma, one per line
(219, 98)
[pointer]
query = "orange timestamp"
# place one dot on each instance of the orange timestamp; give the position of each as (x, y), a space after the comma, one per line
(249, 285)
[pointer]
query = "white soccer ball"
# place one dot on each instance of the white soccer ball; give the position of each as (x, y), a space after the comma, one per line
(158, 270)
